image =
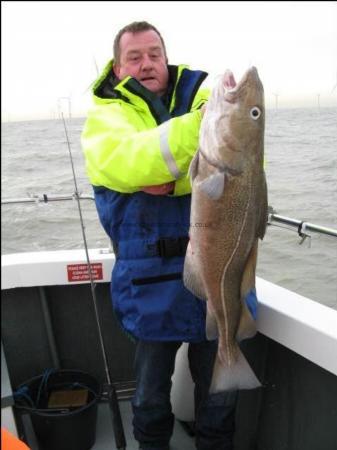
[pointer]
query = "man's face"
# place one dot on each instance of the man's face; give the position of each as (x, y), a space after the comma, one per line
(142, 57)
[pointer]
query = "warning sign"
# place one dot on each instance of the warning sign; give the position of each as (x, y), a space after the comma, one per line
(80, 272)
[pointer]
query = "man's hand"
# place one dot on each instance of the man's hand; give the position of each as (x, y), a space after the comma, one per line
(203, 109)
(161, 189)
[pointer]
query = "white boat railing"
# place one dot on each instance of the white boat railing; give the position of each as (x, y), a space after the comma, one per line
(302, 227)
(44, 198)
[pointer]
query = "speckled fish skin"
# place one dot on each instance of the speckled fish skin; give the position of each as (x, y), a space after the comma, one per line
(228, 216)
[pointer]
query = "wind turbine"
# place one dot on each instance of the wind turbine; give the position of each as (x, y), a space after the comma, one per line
(97, 72)
(96, 65)
(276, 100)
(334, 85)
(59, 101)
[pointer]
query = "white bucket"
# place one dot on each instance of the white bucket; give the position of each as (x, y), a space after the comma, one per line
(182, 392)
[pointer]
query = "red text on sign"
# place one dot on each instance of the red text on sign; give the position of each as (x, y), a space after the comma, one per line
(80, 272)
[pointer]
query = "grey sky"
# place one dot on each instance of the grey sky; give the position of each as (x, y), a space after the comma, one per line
(50, 49)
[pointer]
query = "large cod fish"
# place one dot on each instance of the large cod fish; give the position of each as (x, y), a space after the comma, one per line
(229, 214)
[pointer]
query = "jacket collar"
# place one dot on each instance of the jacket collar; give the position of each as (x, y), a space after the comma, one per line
(183, 86)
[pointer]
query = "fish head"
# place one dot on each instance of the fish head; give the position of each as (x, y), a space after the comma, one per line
(232, 129)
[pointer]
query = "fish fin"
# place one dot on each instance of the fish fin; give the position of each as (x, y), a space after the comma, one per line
(248, 276)
(212, 331)
(213, 186)
(247, 326)
(263, 210)
(191, 279)
(193, 169)
(238, 375)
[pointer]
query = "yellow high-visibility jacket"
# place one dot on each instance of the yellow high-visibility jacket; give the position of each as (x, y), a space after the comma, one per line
(131, 141)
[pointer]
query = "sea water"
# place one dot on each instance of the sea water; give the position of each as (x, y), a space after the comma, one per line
(301, 170)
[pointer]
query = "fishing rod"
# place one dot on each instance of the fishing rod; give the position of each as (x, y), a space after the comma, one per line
(112, 396)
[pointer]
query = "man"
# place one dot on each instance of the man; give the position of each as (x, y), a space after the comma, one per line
(138, 142)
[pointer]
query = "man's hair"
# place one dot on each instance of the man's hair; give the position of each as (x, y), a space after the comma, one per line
(134, 27)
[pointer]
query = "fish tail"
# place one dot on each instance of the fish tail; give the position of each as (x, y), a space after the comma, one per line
(232, 374)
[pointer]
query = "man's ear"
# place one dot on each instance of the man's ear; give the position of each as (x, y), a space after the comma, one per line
(116, 69)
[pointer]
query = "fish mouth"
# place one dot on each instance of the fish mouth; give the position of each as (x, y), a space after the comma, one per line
(232, 87)
(229, 80)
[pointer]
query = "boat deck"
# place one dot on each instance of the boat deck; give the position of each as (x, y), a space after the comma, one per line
(105, 439)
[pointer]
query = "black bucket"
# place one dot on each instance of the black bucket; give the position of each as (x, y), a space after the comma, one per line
(62, 405)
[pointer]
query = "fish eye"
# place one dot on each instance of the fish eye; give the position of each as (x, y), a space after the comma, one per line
(255, 113)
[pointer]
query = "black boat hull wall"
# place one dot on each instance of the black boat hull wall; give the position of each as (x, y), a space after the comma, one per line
(296, 409)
